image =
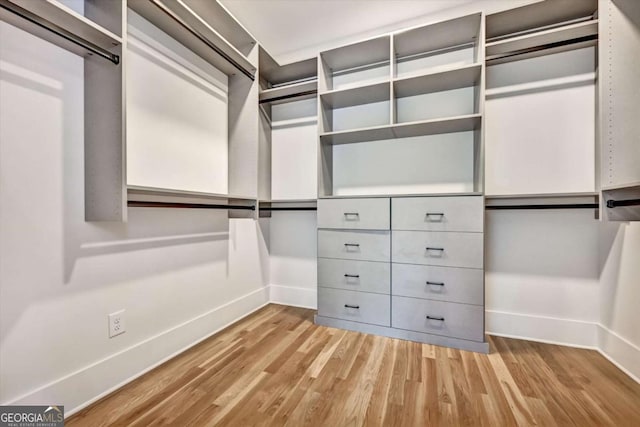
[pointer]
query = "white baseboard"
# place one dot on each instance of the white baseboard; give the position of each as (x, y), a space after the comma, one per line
(551, 330)
(619, 351)
(294, 296)
(89, 384)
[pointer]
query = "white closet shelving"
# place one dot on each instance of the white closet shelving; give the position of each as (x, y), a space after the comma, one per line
(98, 35)
(620, 127)
(401, 185)
(207, 30)
(540, 100)
(382, 94)
(288, 135)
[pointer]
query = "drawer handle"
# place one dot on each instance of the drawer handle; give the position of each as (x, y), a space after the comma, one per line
(348, 214)
(440, 319)
(435, 283)
(355, 276)
(357, 245)
(357, 307)
(440, 215)
(435, 249)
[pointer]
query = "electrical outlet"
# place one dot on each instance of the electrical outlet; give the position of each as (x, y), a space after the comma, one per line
(116, 323)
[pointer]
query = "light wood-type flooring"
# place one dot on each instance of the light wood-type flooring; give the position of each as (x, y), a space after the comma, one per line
(275, 367)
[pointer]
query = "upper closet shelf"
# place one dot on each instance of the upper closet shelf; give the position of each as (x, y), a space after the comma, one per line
(146, 194)
(579, 32)
(61, 26)
(537, 17)
(341, 98)
(453, 78)
(404, 130)
(280, 94)
(191, 22)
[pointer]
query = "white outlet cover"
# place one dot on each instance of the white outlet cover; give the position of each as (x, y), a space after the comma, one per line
(117, 324)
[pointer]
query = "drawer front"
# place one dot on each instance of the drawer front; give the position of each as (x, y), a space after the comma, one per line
(445, 318)
(354, 214)
(356, 245)
(356, 306)
(464, 285)
(364, 276)
(438, 213)
(444, 249)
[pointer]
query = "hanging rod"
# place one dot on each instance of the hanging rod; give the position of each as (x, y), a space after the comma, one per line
(292, 95)
(174, 205)
(540, 206)
(202, 38)
(61, 32)
(620, 203)
(301, 208)
(588, 38)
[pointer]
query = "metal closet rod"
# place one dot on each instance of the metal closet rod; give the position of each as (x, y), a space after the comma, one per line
(620, 203)
(53, 28)
(293, 95)
(542, 207)
(543, 47)
(202, 38)
(176, 205)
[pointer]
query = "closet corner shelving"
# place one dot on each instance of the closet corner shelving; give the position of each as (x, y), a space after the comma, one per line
(286, 92)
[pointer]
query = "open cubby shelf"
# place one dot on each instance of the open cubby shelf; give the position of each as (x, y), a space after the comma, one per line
(404, 130)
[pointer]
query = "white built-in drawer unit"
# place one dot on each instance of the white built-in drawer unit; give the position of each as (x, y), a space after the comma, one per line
(462, 285)
(447, 249)
(355, 245)
(362, 307)
(354, 214)
(462, 321)
(458, 213)
(363, 276)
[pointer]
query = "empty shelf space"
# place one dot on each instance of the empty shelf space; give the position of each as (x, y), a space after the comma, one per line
(404, 130)
(543, 38)
(437, 36)
(357, 55)
(537, 16)
(360, 95)
(302, 90)
(62, 17)
(190, 29)
(454, 78)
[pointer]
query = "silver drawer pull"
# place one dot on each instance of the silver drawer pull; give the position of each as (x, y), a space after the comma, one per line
(435, 283)
(440, 215)
(355, 276)
(435, 249)
(440, 319)
(357, 245)
(348, 214)
(357, 307)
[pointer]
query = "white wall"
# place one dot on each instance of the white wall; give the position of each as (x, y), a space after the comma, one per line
(180, 275)
(293, 265)
(542, 276)
(619, 328)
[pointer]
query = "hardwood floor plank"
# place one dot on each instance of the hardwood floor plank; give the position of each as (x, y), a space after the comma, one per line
(276, 368)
